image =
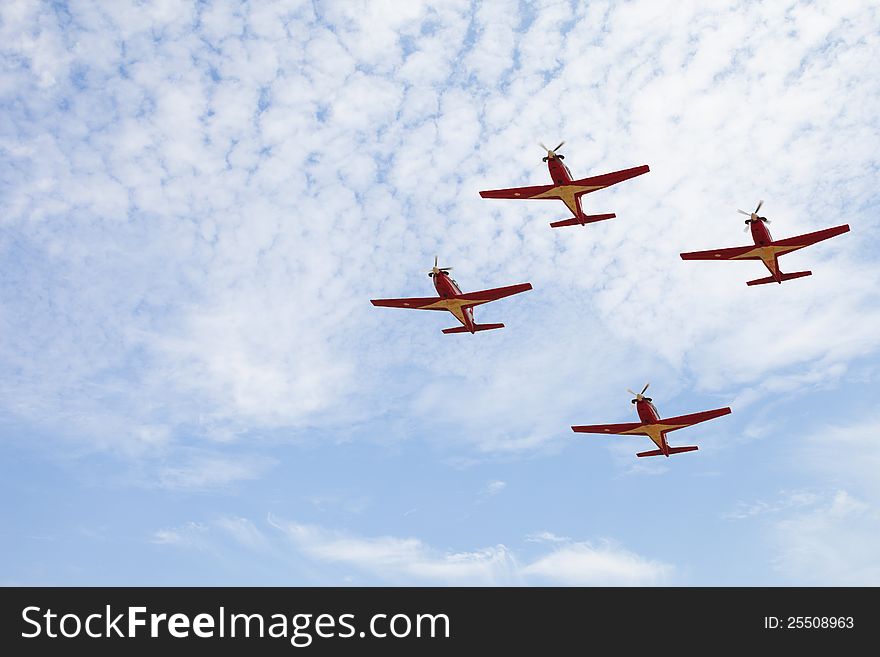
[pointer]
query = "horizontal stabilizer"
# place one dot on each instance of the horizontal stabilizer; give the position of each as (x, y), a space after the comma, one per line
(586, 219)
(672, 450)
(784, 277)
(477, 327)
(679, 450)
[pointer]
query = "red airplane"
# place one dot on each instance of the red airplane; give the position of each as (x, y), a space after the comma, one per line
(452, 299)
(567, 190)
(765, 249)
(652, 426)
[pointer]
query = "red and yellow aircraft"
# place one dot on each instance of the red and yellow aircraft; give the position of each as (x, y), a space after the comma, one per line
(765, 249)
(652, 426)
(567, 190)
(452, 299)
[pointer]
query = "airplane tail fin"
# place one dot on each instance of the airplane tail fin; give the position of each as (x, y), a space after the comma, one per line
(585, 219)
(672, 450)
(477, 327)
(783, 277)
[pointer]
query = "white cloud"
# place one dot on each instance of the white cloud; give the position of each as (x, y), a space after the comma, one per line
(494, 487)
(410, 560)
(209, 536)
(192, 534)
(202, 471)
(830, 536)
(546, 537)
(848, 455)
(785, 501)
(396, 560)
(402, 559)
(583, 564)
(833, 543)
(243, 531)
(197, 221)
(198, 201)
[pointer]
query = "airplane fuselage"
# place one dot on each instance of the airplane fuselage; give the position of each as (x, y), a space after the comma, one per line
(647, 412)
(447, 289)
(445, 286)
(760, 233)
(558, 171)
(562, 177)
(769, 255)
(649, 415)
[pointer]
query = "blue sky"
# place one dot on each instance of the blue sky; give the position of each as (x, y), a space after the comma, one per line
(198, 202)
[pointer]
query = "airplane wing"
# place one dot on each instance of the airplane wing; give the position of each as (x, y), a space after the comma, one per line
(734, 253)
(681, 421)
(753, 252)
(517, 192)
(415, 303)
(807, 239)
(608, 179)
(627, 428)
(665, 425)
(452, 304)
(485, 296)
(584, 185)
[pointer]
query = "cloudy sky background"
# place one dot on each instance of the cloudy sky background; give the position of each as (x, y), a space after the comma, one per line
(198, 201)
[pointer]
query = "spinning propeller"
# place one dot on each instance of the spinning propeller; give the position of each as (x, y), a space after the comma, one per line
(436, 270)
(640, 395)
(551, 152)
(753, 216)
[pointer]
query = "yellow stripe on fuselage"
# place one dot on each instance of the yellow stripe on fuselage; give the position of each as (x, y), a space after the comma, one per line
(654, 431)
(767, 254)
(455, 306)
(568, 194)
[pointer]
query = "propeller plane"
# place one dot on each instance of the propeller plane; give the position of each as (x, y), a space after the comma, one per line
(567, 190)
(766, 249)
(451, 298)
(652, 426)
